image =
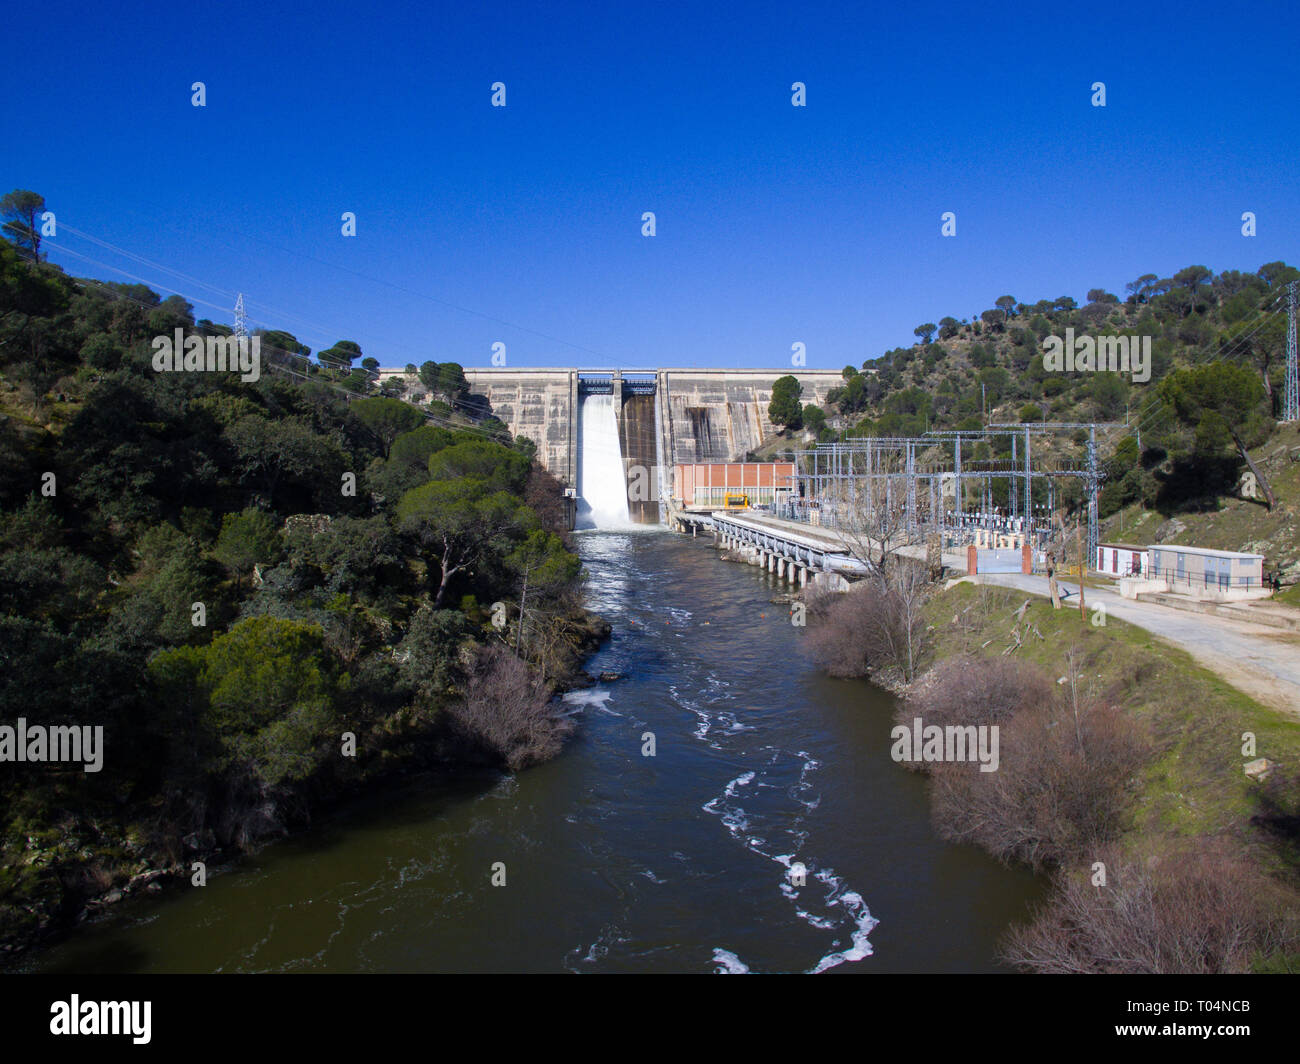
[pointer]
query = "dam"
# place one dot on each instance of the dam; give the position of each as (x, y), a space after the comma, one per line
(664, 417)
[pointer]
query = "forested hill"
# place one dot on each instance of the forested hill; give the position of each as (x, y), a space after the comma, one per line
(265, 591)
(1218, 346)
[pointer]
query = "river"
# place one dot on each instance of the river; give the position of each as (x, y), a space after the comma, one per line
(615, 861)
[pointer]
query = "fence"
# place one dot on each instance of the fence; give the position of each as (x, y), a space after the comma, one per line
(1221, 580)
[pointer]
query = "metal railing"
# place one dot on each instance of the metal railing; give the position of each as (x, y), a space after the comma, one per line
(1222, 581)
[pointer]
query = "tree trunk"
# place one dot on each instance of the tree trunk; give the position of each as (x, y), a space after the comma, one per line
(519, 631)
(447, 570)
(1259, 473)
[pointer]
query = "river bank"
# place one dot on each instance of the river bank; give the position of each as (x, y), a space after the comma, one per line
(1139, 805)
(133, 863)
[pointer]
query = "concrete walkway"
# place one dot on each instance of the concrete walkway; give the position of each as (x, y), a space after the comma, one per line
(1261, 661)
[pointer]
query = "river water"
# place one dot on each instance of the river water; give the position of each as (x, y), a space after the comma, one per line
(615, 861)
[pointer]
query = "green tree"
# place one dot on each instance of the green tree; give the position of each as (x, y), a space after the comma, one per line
(259, 698)
(543, 568)
(459, 522)
(20, 209)
(1140, 289)
(451, 381)
(1275, 274)
(284, 452)
(1192, 277)
(387, 418)
(498, 467)
(341, 355)
(784, 409)
(246, 539)
(925, 332)
(1219, 401)
(1109, 392)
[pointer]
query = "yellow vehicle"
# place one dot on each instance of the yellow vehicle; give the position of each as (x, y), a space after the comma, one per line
(735, 502)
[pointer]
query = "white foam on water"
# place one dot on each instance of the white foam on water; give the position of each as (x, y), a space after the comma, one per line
(592, 696)
(589, 699)
(608, 939)
(740, 781)
(728, 963)
(841, 903)
(702, 729)
(856, 909)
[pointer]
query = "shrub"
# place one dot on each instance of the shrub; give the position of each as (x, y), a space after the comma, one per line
(1199, 911)
(876, 624)
(1066, 765)
(506, 713)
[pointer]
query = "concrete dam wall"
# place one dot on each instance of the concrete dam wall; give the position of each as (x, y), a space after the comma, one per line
(665, 417)
(720, 415)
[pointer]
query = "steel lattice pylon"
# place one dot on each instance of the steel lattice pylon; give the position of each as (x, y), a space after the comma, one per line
(1291, 393)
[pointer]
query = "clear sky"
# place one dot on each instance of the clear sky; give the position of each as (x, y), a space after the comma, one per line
(775, 224)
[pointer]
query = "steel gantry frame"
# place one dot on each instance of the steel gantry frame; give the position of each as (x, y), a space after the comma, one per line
(831, 475)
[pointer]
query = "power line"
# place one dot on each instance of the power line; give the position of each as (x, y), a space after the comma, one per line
(356, 273)
(429, 416)
(453, 402)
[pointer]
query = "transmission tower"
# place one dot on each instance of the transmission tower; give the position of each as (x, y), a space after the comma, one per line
(241, 321)
(1291, 394)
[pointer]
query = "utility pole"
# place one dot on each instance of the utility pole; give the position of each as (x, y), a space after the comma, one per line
(1094, 534)
(1078, 543)
(1029, 496)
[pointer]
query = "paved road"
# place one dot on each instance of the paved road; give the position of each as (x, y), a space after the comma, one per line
(1264, 662)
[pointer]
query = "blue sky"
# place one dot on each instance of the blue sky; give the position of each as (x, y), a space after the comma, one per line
(775, 224)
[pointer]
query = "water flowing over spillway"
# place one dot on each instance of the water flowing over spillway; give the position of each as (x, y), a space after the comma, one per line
(602, 493)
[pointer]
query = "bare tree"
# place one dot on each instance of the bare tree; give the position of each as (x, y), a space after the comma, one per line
(900, 629)
(876, 625)
(506, 711)
(870, 515)
(1203, 910)
(1063, 784)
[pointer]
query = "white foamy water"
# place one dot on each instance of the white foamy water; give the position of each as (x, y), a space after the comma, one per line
(728, 963)
(843, 908)
(594, 698)
(602, 493)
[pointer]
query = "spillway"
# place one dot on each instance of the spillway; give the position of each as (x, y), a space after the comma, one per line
(602, 492)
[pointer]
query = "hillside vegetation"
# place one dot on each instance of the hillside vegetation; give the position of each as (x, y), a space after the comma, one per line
(1185, 438)
(267, 592)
